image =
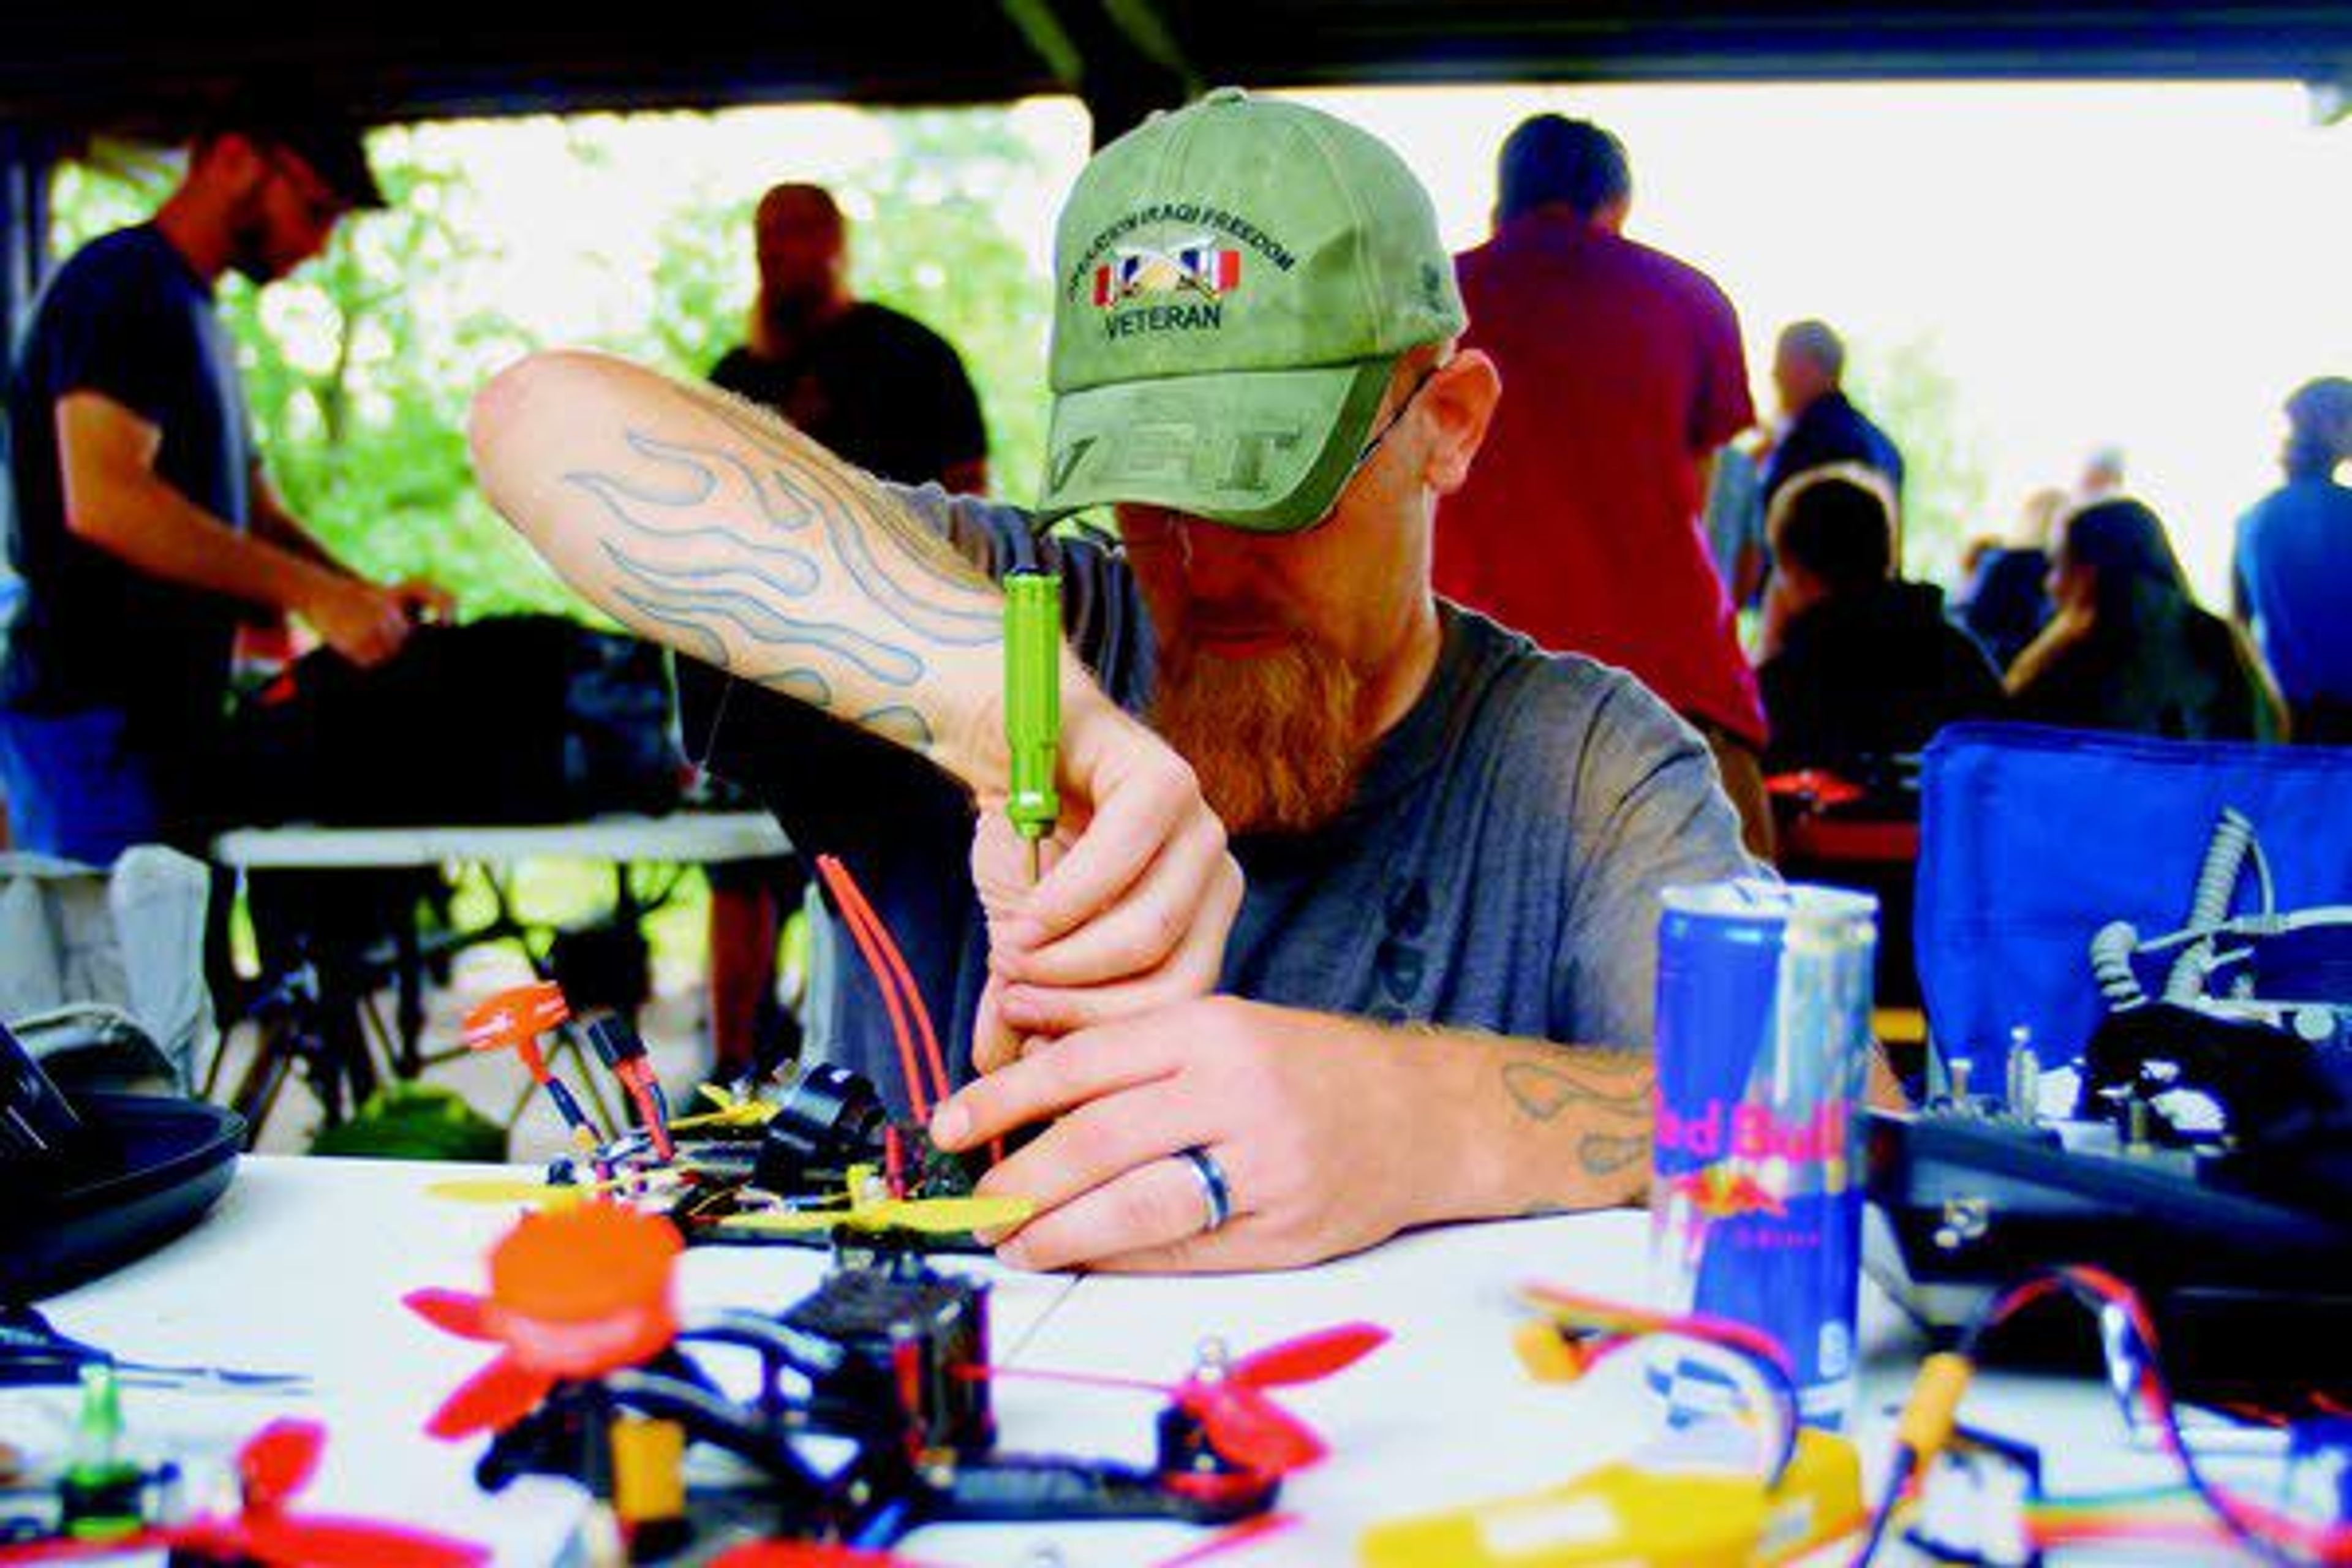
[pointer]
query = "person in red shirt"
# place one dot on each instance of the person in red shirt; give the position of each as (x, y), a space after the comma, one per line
(1622, 376)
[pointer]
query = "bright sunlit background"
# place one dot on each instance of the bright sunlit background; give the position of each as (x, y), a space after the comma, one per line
(2024, 272)
(2151, 267)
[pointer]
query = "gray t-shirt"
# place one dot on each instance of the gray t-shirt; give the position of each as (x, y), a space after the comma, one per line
(1498, 870)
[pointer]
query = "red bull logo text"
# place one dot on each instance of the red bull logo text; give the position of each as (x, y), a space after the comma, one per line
(1744, 1131)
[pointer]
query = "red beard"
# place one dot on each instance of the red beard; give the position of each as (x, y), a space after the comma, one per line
(1272, 737)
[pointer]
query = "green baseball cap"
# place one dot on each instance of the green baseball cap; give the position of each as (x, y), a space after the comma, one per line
(1235, 282)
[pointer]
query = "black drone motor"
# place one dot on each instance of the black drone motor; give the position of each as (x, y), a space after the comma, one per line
(828, 1119)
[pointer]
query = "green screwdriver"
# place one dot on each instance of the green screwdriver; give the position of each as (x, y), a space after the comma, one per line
(1033, 703)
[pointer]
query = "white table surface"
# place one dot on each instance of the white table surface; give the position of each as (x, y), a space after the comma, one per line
(302, 1265)
(698, 838)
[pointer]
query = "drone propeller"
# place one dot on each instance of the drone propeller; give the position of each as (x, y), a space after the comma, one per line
(807, 1554)
(511, 1189)
(505, 1190)
(733, 1111)
(932, 1217)
(514, 1019)
(575, 1293)
(1228, 1397)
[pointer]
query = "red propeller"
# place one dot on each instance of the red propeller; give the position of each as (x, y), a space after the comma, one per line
(1250, 1429)
(274, 1465)
(1228, 1399)
(577, 1293)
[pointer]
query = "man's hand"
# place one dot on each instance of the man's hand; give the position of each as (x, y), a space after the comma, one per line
(363, 623)
(1135, 904)
(1311, 1117)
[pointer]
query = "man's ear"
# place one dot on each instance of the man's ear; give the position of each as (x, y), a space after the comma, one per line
(1460, 398)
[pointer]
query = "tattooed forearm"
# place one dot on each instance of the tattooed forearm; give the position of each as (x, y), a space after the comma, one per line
(819, 493)
(759, 554)
(903, 725)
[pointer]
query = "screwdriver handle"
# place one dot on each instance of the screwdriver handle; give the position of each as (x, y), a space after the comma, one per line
(1033, 698)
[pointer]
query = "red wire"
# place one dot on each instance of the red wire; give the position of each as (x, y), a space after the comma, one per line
(847, 890)
(837, 877)
(2327, 1543)
(898, 963)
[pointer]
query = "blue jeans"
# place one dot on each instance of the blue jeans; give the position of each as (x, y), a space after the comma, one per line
(78, 788)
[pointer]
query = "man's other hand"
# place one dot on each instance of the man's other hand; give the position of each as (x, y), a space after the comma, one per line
(1310, 1116)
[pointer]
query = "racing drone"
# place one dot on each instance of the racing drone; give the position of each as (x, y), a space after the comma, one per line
(597, 1382)
(823, 1157)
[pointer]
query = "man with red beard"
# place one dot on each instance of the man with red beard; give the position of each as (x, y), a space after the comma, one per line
(1429, 998)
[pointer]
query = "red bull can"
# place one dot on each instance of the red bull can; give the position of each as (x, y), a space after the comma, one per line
(1763, 1051)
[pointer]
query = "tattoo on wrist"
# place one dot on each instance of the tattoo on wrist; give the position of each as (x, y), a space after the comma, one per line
(1614, 1084)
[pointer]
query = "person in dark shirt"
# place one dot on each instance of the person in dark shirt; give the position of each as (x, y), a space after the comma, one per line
(874, 386)
(887, 393)
(141, 525)
(1862, 666)
(1823, 426)
(2129, 649)
(2004, 597)
(2292, 572)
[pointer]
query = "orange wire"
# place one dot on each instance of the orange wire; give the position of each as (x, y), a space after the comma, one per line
(844, 893)
(852, 894)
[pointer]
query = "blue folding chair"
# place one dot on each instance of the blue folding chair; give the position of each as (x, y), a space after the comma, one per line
(2034, 841)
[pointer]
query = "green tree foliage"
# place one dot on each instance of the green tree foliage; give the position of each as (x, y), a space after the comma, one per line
(926, 237)
(359, 367)
(1913, 398)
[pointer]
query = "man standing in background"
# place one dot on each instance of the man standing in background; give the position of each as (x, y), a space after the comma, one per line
(1624, 374)
(1823, 426)
(2292, 579)
(882, 390)
(140, 524)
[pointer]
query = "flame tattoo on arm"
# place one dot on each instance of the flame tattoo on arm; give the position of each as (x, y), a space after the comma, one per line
(761, 555)
(1599, 1098)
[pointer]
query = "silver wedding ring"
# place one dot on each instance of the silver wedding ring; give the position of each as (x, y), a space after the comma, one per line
(1216, 1198)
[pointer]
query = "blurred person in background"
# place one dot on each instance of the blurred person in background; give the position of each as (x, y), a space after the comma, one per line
(1860, 666)
(2129, 649)
(1820, 425)
(1580, 526)
(141, 526)
(883, 390)
(2004, 595)
(2291, 577)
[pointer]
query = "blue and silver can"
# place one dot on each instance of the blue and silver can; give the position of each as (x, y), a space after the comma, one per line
(1763, 1051)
